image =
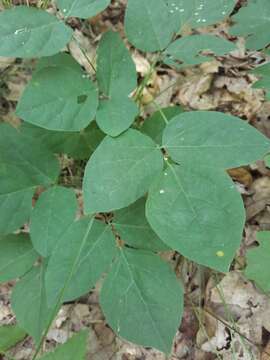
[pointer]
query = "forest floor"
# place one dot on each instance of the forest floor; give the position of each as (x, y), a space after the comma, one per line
(226, 317)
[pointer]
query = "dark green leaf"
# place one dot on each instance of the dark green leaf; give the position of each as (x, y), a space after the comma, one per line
(30, 32)
(10, 335)
(142, 299)
(74, 269)
(214, 139)
(264, 82)
(134, 229)
(156, 123)
(54, 211)
(125, 168)
(198, 212)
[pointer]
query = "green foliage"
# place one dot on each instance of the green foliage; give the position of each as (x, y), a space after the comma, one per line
(141, 280)
(74, 348)
(10, 335)
(59, 97)
(117, 77)
(17, 256)
(187, 50)
(130, 161)
(252, 21)
(82, 8)
(258, 262)
(263, 72)
(164, 175)
(29, 32)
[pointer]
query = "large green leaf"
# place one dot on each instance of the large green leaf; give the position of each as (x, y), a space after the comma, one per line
(125, 168)
(187, 50)
(59, 97)
(198, 13)
(134, 229)
(78, 145)
(142, 299)
(258, 260)
(15, 209)
(82, 8)
(148, 25)
(156, 123)
(198, 212)
(30, 32)
(82, 254)
(10, 335)
(53, 213)
(24, 165)
(264, 82)
(29, 304)
(17, 256)
(253, 22)
(74, 348)
(117, 77)
(214, 139)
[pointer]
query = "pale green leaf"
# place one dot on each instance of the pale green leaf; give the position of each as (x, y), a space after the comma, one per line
(214, 139)
(74, 269)
(74, 348)
(30, 32)
(29, 304)
(60, 98)
(125, 168)
(198, 212)
(263, 72)
(82, 8)
(156, 123)
(191, 50)
(10, 335)
(253, 23)
(15, 209)
(133, 228)
(17, 256)
(142, 299)
(78, 145)
(258, 260)
(117, 78)
(54, 211)
(148, 24)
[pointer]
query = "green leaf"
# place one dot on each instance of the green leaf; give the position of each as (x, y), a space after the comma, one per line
(142, 299)
(203, 219)
(155, 124)
(134, 229)
(194, 13)
(78, 145)
(54, 211)
(74, 348)
(59, 98)
(15, 209)
(17, 256)
(129, 162)
(188, 50)
(147, 24)
(264, 82)
(214, 138)
(258, 260)
(253, 22)
(82, 8)
(30, 32)
(267, 161)
(90, 251)
(29, 303)
(117, 77)
(10, 335)
(24, 165)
